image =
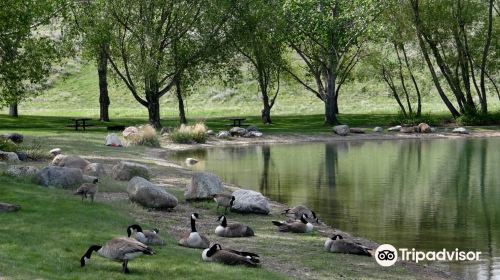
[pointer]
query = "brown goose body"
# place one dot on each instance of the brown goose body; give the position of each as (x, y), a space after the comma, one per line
(233, 229)
(230, 257)
(297, 212)
(148, 237)
(301, 226)
(87, 189)
(194, 239)
(224, 200)
(337, 244)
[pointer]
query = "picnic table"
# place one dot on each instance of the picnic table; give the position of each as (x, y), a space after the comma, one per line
(237, 122)
(80, 123)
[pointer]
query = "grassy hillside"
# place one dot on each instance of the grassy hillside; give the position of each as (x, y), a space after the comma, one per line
(77, 95)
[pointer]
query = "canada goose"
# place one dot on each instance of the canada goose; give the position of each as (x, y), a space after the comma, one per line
(120, 249)
(224, 200)
(337, 244)
(297, 212)
(301, 226)
(148, 237)
(194, 239)
(229, 257)
(232, 230)
(87, 189)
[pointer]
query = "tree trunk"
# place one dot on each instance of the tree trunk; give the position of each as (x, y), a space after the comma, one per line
(330, 101)
(180, 100)
(415, 84)
(102, 71)
(484, 103)
(13, 110)
(266, 111)
(154, 112)
(388, 80)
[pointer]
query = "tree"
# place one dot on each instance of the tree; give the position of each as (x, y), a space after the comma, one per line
(143, 37)
(328, 35)
(26, 53)
(259, 37)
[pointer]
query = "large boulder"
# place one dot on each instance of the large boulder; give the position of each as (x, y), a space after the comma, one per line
(341, 130)
(203, 185)
(424, 128)
(113, 140)
(223, 134)
(125, 171)
(460, 130)
(95, 169)
(394, 128)
(70, 161)
(238, 131)
(7, 207)
(247, 201)
(21, 171)
(58, 176)
(22, 156)
(149, 195)
(8, 157)
(378, 129)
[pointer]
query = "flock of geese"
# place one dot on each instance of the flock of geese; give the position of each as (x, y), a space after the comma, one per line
(138, 241)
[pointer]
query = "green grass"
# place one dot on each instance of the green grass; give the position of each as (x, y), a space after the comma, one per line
(47, 237)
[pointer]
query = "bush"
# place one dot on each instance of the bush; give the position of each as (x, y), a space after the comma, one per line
(145, 136)
(187, 134)
(8, 146)
(412, 119)
(34, 150)
(478, 119)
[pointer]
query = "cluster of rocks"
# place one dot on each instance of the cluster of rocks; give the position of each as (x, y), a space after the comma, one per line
(13, 157)
(344, 130)
(236, 131)
(420, 128)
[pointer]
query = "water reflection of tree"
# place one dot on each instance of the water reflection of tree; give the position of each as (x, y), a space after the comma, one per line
(331, 162)
(482, 170)
(264, 178)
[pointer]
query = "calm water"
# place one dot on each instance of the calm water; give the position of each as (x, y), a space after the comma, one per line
(427, 195)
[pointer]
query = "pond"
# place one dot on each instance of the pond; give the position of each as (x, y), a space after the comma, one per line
(423, 194)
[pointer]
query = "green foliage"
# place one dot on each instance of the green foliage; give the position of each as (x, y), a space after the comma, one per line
(187, 134)
(478, 119)
(8, 146)
(34, 149)
(412, 119)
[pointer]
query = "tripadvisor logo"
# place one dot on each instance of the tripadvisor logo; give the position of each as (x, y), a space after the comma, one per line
(387, 255)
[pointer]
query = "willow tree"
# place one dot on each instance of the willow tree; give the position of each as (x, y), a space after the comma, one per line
(143, 39)
(328, 35)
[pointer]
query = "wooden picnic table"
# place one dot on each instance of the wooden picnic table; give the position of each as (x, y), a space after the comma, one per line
(237, 122)
(80, 122)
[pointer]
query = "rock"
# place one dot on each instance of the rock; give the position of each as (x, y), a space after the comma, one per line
(125, 171)
(252, 128)
(223, 134)
(55, 152)
(237, 131)
(89, 179)
(378, 129)
(149, 195)
(165, 130)
(191, 161)
(70, 161)
(8, 157)
(15, 137)
(7, 207)
(424, 128)
(407, 129)
(356, 130)
(460, 130)
(210, 132)
(22, 156)
(203, 185)
(59, 176)
(113, 140)
(21, 171)
(247, 201)
(433, 129)
(95, 169)
(394, 128)
(341, 130)
(130, 131)
(252, 134)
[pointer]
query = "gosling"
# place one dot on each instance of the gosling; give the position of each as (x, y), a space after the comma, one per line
(224, 200)
(89, 189)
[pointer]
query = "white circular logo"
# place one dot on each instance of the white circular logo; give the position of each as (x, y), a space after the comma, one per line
(386, 255)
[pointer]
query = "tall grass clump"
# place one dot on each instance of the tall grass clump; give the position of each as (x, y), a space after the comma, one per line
(188, 134)
(145, 135)
(34, 150)
(8, 146)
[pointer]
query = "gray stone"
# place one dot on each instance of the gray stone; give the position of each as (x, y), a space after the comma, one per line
(70, 161)
(191, 161)
(7, 207)
(21, 171)
(237, 131)
(341, 130)
(378, 129)
(203, 185)
(407, 129)
(55, 152)
(356, 130)
(252, 134)
(223, 134)
(248, 201)
(125, 171)
(22, 156)
(15, 137)
(95, 169)
(113, 140)
(210, 132)
(252, 128)
(424, 128)
(89, 179)
(59, 176)
(394, 128)
(460, 130)
(8, 157)
(149, 195)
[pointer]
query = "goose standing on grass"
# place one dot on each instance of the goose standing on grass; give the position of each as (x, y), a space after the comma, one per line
(194, 239)
(89, 189)
(120, 249)
(229, 257)
(337, 244)
(148, 237)
(224, 200)
(298, 211)
(232, 230)
(301, 226)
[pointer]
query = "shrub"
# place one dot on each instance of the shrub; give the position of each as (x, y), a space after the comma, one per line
(412, 119)
(477, 119)
(187, 134)
(34, 150)
(8, 146)
(145, 136)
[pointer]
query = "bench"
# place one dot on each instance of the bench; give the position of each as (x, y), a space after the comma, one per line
(80, 123)
(237, 122)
